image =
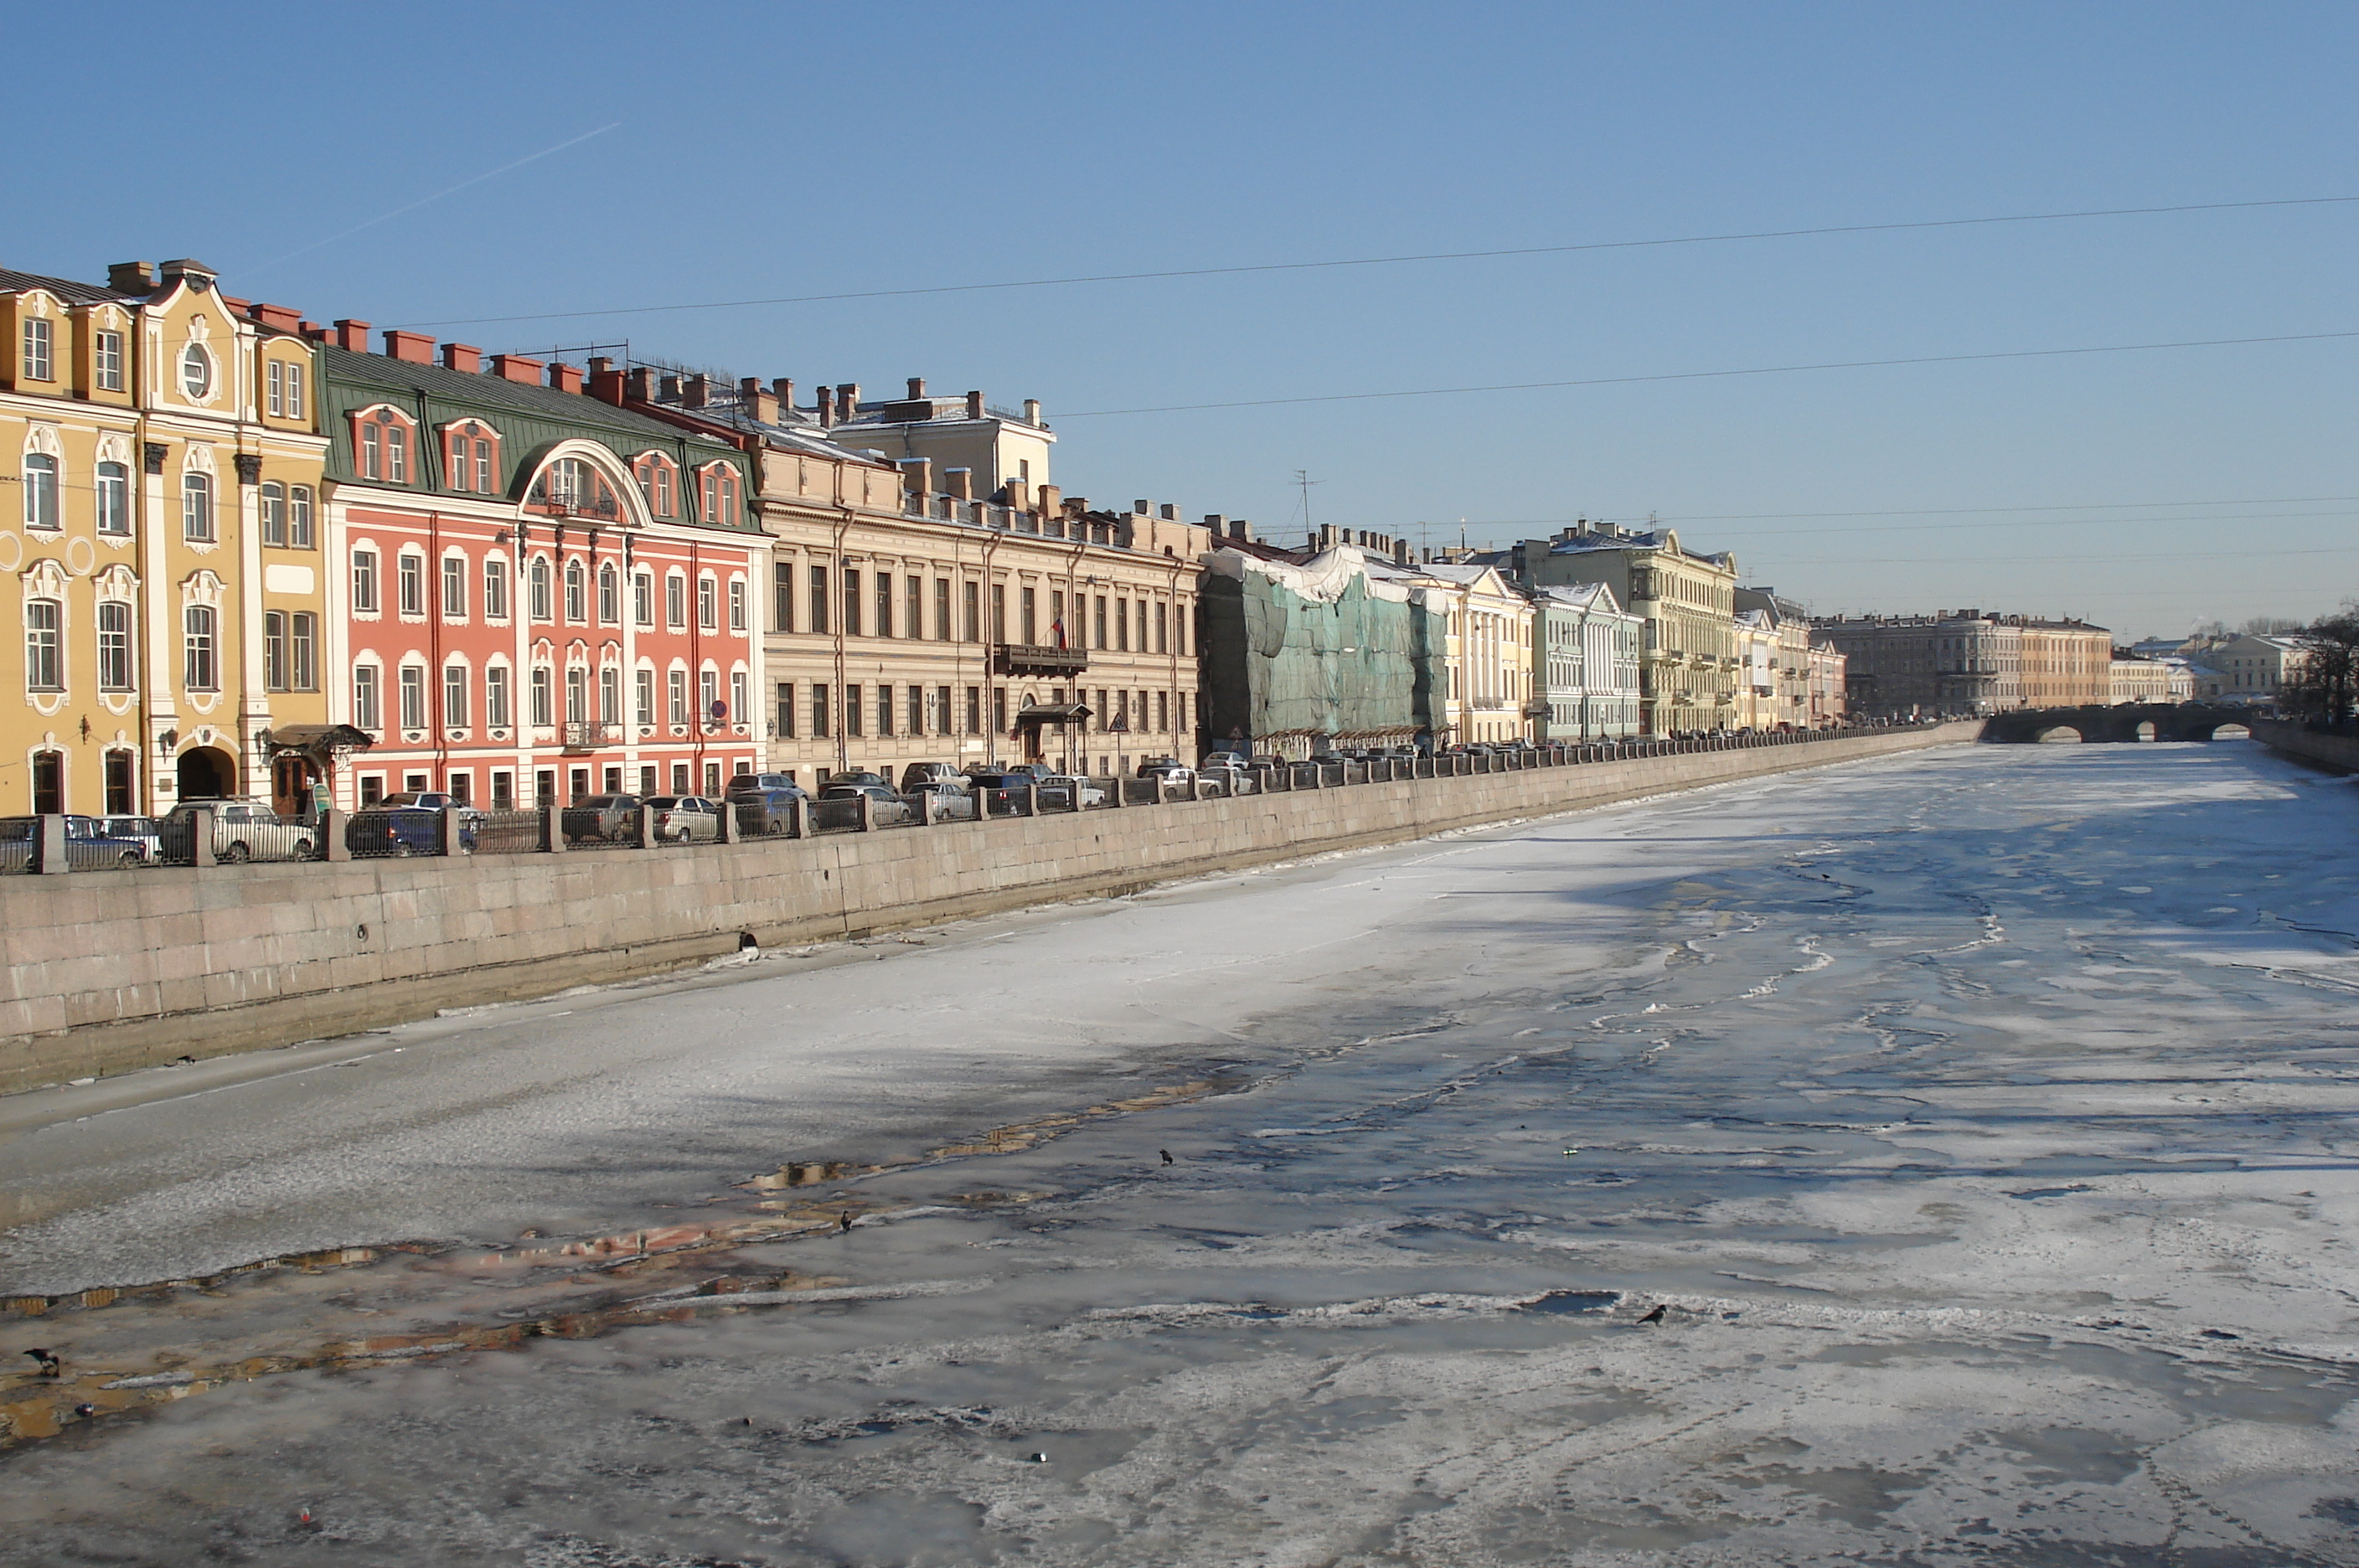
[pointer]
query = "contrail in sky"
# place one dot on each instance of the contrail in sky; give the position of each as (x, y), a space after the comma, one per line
(422, 201)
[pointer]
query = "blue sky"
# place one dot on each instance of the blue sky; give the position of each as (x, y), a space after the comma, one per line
(785, 149)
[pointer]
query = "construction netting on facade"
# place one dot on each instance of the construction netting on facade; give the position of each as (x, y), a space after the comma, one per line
(1316, 652)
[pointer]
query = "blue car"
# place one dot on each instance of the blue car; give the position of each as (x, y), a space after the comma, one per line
(403, 831)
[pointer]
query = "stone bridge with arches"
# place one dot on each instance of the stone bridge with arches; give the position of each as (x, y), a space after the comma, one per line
(2129, 722)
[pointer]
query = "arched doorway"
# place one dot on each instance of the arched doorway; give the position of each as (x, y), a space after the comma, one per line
(2060, 735)
(206, 774)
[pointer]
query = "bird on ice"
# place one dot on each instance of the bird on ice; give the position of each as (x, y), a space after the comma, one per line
(1654, 1317)
(1167, 1156)
(843, 1223)
(48, 1360)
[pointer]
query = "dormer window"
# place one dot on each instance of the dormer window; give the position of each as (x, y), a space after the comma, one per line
(470, 460)
(284, 390)
(384, 447)
(656, 483)
(719, 493)
(40, 360)
(571, 487)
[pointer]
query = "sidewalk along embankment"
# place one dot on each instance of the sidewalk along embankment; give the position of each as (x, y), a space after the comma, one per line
(110, 971)
(2340, 752)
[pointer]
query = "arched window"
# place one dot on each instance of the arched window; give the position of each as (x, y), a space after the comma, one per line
(274, 513)
(44, 654)
(728, 512)
(197, 508)
(572, 487)
(656, 484)
(199, 661)
(539, 588)
(40, 490)
(575, 609)
(610, 596)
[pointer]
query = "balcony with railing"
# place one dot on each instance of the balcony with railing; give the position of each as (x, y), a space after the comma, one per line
(1036, 659)
(584, 737)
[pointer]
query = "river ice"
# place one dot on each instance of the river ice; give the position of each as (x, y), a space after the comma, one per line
(1938, 1161)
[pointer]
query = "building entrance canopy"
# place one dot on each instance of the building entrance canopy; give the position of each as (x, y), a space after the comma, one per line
(1052, 713)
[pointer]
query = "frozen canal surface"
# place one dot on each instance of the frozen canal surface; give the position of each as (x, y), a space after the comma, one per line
(1977, 1120)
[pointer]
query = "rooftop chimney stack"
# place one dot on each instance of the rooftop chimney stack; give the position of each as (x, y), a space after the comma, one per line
(826, 406)
(1031, 410)
(410, 348)
(783, 389)
(757, 399)
(132, 278)
(565, 377)
(847, 401)
(917, 388)
(464, 357)
(639, 384)
(975, 404)
(1218, 524)
(696, 392)
(1168, 512)
(351, 336)
(959, 482)
(515, 367)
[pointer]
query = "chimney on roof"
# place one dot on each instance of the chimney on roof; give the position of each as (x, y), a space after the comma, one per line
(517, 368)
(783, 389)
(189, 267)
(847, 400)
(916, 474)
(1217, 523)
(314, 332)
(1400, 552)
(278, 318)
(132, 278)
(1048, 494)
(1140, 508)
(465, 357)
(959, 482)
(826, 396)
(606, 382)
(565, 377)
(1031, 410)
(410, 348)
(917, 388)
(757, 399)
(667, 388)
(696, 392)
(1168, 512)
(975, 404)
(1241, 529)
(351, 336)
(639, 384)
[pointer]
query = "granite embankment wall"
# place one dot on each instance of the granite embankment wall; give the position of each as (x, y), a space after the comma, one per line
(2341, 752)
(108, 971)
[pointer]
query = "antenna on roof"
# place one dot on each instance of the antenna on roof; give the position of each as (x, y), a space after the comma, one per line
(1304, 481)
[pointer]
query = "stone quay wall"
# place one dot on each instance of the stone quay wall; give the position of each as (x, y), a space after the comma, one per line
(104, 972)
(2338, 752)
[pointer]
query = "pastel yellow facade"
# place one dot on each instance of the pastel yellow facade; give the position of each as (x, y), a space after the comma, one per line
(162, 549)
(1490, 652)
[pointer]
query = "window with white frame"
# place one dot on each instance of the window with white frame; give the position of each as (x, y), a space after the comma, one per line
(366, 713)
(200, 648)
(454, 696)
(707, 606)
(540, 696)
(410, 580)
(738, 705)
(302, 652)
(44, 649)
(273, 506)
(610, 596)
(364, 581)
(643, 599)
(576, 604)
(106, 359)
(495, 588)
(678, 684)
(643, 698)
(197, 372)
(496, 697)
(197, 508)
(40, 487)
(413, 697)
(577, 695)
(610, 695)
(40, 363)
(708, 693)
(454, 587)
(675, 601)
(537, 584)
(113, 645)
(113, 492)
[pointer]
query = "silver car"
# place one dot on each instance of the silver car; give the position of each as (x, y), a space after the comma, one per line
(685, 819)
(243, 830)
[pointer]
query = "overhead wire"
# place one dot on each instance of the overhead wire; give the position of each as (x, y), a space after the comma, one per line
(1383, 260)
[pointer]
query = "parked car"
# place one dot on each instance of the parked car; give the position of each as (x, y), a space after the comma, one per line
(768, 810)
(859, 778)
(401, 829)
(927, 775)
(952, 801)
(685, 819)
(611, 816)
(887, 809)
(761, 783)
(1170, 770)
(1227, 779)
(1227, 759)
(1065, 791)
(141, 830)
(89, 845)
(427, 800)
(243, 830)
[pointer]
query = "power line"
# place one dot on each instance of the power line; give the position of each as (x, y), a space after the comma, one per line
(2039, 523)
(1712, 374)
(1386, 260)
(2028, 560)
(1933, 511)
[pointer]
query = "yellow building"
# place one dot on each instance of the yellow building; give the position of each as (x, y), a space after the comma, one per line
(1690, 670)
(162, 550)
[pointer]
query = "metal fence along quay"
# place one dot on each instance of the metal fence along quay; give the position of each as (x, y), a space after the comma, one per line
(59, 844)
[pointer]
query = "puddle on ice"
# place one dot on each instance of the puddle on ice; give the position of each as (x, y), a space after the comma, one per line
(1910, 1258)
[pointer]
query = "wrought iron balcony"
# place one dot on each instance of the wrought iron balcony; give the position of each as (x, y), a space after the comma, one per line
(585, 736)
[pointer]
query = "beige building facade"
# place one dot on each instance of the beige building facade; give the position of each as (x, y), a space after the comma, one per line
(1689, 667)
(923, 606)
(2136, 680)
(1491, 695)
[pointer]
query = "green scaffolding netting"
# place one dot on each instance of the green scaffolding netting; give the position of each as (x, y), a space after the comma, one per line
(1313, 651)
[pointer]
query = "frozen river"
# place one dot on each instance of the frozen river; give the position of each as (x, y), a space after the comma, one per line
(1938, 1161)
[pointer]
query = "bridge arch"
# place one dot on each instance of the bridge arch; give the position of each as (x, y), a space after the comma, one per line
(2058, 735)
